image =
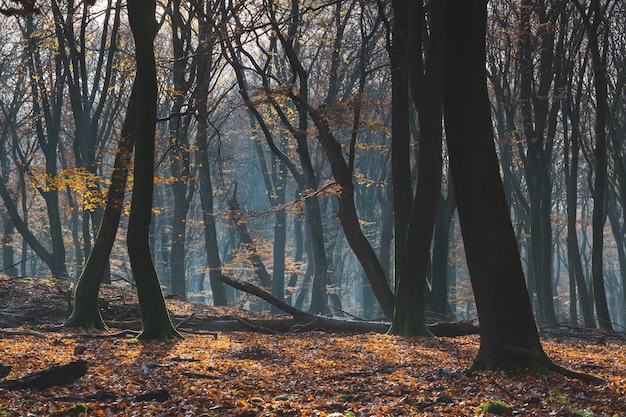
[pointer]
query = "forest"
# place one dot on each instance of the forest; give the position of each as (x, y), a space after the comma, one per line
(354, 162)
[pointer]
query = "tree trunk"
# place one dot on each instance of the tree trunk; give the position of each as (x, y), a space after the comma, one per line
(201, 93)
(600, 157)
(441, 251)
(573, 250)
(504, 309)
(534, 111)
(400, 136)
(425, 82)
(154, 314)
(8, 228)
(246, 239)
(280, 232)
(86, 311)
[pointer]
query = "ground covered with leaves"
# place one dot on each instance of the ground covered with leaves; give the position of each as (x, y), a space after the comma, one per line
(302, 374)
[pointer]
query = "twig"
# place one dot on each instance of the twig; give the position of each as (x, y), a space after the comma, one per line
(25, 332)
(254, 326)
(185, 320)
(507, 392)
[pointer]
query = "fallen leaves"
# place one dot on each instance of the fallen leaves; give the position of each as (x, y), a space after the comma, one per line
(302, 374)
(310, 374)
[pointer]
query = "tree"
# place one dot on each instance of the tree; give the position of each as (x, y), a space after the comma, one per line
(154, 314)
(504, 309)
(95, 90)
(207, 39)
(47, 103)
(592, 20)
(86, 310)
(425, 84)
(539, 126)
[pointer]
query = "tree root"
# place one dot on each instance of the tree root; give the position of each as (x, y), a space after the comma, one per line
(552, 366)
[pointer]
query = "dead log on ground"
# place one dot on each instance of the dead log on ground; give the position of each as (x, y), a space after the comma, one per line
(49, 377)
(303, 321)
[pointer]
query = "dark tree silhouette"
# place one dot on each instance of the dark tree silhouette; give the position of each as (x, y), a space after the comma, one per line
(504, 310)
(154, 314)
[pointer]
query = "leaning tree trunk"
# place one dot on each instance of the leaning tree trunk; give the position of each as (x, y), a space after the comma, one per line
(86, 312)
(154, 314)
(502, 302)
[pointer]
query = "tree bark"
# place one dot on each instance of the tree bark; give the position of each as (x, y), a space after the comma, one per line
(154, 314)
(201, 93)
(425, 83)
(86, 310)
(504, 309)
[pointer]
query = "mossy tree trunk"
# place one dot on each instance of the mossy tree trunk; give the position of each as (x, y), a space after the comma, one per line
(504, 310)
(154, 314)
(86, 311)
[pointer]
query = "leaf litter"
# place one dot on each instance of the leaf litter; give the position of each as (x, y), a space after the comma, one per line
(298, 374)
(309, 374)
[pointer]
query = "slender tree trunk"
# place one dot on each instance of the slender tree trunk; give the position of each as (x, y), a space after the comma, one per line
(280, 234)
(86, 311)
(620, 242)
(600, 157)
(248, 243)
(205, 64)
(573, 251)
(537, 160)
(210, 231)
(154, 314)
(8, 228)
(425, 83)
(441, 252)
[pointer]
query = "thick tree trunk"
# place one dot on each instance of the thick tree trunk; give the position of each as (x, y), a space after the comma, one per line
(154, 314)
(504, 309)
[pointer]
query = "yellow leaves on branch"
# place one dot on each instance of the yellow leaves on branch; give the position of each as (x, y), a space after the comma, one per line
(82, 182)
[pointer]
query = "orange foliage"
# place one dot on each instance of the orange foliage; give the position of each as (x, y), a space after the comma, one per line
(311, 374)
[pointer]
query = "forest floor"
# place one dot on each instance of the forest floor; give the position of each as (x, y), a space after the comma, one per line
(296, 374)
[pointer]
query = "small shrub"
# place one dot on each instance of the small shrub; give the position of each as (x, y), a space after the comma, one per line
(495, 407)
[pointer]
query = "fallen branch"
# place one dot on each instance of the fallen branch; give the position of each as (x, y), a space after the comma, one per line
(261, 293)
(158, 395)
(25, 332)
(303, 321)
(49, 377)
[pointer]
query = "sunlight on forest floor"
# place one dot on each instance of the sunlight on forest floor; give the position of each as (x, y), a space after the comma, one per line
(314, 374)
